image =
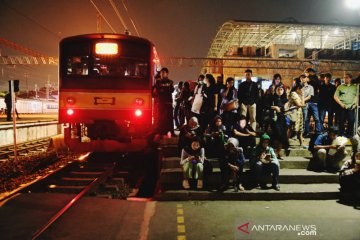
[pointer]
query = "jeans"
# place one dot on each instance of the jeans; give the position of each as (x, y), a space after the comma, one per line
(192, 170)
(322, 113)
(311, 108)
(349, 115)
(262, 170)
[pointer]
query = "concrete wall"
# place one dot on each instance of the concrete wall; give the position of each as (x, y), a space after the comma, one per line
(28, 132)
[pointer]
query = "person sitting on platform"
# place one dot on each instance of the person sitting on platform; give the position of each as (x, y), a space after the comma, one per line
(215, 137)
(328, 150)
(231, 165)
(264, 161)
(192, 160)
(246, 135)
(349, 177)
(189, 131)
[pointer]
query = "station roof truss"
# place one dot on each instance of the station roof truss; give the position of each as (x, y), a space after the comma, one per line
(236, 34)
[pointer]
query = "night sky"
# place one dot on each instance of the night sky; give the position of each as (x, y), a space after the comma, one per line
(181, 28)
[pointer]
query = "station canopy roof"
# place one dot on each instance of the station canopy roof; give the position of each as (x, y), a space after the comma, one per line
(235, 34)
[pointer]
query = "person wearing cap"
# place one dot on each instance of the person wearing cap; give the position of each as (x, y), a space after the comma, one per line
(192, 161)
(231, 165)
(329, 150)
(162, 92)
(264, 162)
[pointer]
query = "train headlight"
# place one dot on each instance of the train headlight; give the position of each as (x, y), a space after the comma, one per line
(70, 112)
(139, 101)
(138, 112)
(70, 100)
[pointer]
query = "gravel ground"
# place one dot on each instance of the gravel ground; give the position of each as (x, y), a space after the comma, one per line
(28, 168)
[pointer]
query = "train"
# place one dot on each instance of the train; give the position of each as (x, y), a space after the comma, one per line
(32, 106)
(105, 92)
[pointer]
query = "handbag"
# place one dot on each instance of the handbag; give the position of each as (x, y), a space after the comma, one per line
(232, 105)
(292, 115)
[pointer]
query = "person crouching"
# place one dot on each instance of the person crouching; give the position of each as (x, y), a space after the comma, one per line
(231, 165)
(263, 162)
(192, 161)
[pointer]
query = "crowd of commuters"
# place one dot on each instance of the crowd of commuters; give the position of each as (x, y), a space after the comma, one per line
(217, 119)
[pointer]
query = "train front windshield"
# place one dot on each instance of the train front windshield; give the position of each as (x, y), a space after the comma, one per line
(85, 65)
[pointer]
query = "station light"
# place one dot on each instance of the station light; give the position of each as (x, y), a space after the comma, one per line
(353, 4)
(138, 112)
(106, 48)
(70, 112)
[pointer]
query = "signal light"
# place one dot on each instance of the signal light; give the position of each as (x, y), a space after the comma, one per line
(70, 112)
(138, 113)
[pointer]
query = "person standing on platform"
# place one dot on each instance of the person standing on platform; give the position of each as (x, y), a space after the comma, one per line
(248, 93)
(346, 98)
(162, 92)
(326, 100)
(8, 103)
(311, 105)
(178, 117)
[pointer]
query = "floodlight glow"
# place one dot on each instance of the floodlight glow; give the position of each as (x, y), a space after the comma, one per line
(353, 4)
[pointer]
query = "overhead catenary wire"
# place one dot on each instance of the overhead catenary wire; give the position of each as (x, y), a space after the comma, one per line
(102, 15)
(132, 22)
(118, 15)
(32, 20)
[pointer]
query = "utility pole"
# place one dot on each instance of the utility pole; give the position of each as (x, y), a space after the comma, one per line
(13, 103)
(98, 23)
(48, 88)
(26, 75)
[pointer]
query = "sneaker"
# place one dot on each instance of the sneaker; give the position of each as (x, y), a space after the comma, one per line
(238, 188)
(276, 187)
(186, 184)
(200, 184)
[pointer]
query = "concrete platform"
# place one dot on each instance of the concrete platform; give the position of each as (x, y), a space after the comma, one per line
(288, 192)
(29, 127)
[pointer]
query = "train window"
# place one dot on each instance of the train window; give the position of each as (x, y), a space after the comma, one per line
(119, 67)
(77, 65)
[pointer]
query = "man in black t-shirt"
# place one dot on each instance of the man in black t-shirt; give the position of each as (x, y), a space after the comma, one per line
(162, 91)
(248, 93)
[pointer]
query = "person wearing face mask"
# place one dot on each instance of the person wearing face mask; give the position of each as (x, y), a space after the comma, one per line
(198, 97)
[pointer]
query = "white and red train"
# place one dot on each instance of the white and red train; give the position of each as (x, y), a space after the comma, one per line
(105, 83)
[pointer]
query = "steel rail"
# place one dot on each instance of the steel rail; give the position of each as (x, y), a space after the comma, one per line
(68, 205)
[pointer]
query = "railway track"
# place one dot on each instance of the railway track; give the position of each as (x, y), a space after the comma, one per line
(23, 149)
(111, 175)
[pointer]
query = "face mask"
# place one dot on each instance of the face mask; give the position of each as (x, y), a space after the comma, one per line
(200, 82)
